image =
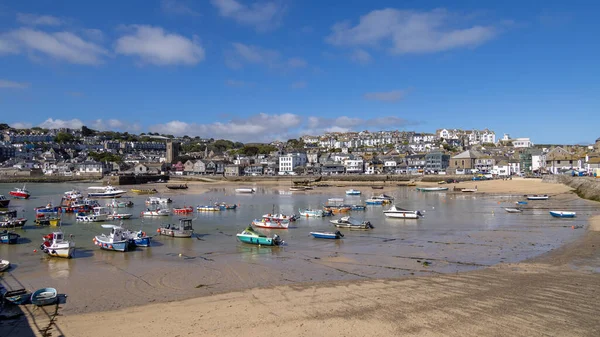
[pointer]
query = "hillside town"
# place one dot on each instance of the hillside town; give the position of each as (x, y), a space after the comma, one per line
(89, 153)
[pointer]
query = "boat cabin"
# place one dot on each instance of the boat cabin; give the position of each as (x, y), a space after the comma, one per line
(53, 238)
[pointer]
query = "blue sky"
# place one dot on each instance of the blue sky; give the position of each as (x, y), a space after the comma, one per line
(262, 70)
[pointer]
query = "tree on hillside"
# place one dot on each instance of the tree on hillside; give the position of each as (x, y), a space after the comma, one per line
(87, 132)
(63, 137)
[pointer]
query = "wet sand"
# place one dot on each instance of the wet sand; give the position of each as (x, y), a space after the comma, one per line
(554, 294)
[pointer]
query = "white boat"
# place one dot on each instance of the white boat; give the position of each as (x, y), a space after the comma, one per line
(119, 216)
(563, 214)
(395, 212)
(99, 214)
(311, 212)
(208, 208)
(73, 194)
(4, 265)
(105, 192)
(513, 210)
(119, 204)
(432, 189)
(158, 201)
(156, 212)
(472, 190)
(352, 192)
(271, 223)
(281, 217)
(351, 223)
(245, 190)
(55, 245)
(183, 230)
(537, 197)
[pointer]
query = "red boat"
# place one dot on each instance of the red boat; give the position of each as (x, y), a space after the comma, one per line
(183, 210)
(20, 193)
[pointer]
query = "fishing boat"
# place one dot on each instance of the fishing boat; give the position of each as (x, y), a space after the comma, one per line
(144, 191)
(20, 193)
(4, 201)
(4, 265)
(373, 201)
(116, 240)
(271, 223)
(563, 214)
(395, 212)
(73, 194)
(156, 212)
(351, 223)
(327, 235)
(158, 201)
(119, 216)
(99, 214)
(44, 296)
(223, 206)
(42, 219)
(6, 213)
(281, 217)
(17, 296)
(55, 245)
(513, 210)
(119, 204)
(245, 190)
(48, 209)
(249, 235)
(537, 197)
(208, 208)
(311, 212)
(337, 209)
(136, 238)
(12, 222)
(9, 237)
(432, 189)
(182, 230)
(183, 210)
(521, 202)
(105, 192)
(352, 192)
(177, 187)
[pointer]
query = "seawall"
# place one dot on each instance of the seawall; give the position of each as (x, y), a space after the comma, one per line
(585, 187)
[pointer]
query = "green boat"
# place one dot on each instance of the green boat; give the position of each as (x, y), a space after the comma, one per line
(249, 235)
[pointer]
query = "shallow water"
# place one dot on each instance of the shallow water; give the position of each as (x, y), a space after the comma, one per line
(459, 232)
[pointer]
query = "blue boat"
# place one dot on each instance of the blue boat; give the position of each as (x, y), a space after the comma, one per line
(327, 235)
(9, 237)
(17, 297)
(352, 192)
(249, 235)
(357, 207)
(562, 214)
(374, 201)
(44, 296)
(140, 239)
(223, 206)
(521, 202)
(117, 240)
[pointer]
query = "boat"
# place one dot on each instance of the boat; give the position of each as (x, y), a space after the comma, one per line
(99, 214)
(11, 214)
(563, 214)
(12, 222)
(105, 192)
(351, 223)
(183, 210)
(377, 187)
(245, 190)
(337, 209)
(208, 208)
(395, 212)
(156, 212)
(4, 265)
(223, 206)
(298, 188)
(327, 235)
(182, 230)
(44, 296)
(281, 217)
(537, 197)
(119, 216)
(48, 209)
(9, 237)
(119, 204)
(4, 201)
(144, 191)
(42, 219)
(373, 201)
(17, 296)
(136, 238)
(177, 187)
(271, 223)
(471, 190)
(158, 201)
(249, 235)
(432, 189)
(352, 192)
(20, 193)
(116, 240)
(358, 207)
(73, 194)
(311, 212)
(521, 203)
(513, 210)
(55, 245)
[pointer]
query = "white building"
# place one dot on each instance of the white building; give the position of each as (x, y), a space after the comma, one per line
(290, 161)
(517, 142)
(354, 165)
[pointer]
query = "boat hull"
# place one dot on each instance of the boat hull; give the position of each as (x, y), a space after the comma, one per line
(432, 189)
(324, 235)
(9, 238)
(562, 214)
(64, 252)
(119, 246)
(19, 195)
(4, 203)
(401, 215)
(254, 240)
(142, 242)
(45, 296)
(175, 233)
(106, 195)
(92, 218)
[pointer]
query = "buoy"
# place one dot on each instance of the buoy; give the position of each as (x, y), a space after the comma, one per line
(179, 254)
(572, 227)
(158, 230)
(35, 250)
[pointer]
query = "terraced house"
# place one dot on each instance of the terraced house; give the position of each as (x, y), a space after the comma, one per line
(559, 159)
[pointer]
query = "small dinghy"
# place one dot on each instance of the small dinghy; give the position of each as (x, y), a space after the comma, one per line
(538, 197)
(249, 235)
(327, 235)
(44, 296)
(521, 203)
(17, 297)
(9, 237)
(513, 210)
(4, 265)
(562, 214)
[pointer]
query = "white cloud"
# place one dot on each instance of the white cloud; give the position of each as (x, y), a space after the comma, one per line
(94, 34)
(59, 123)
(299, 85)
(386, 96)
(114, 125)
(242, 54)
(263, 16)
(21, 125)
(152, 45)
(63, 46)
(6, 84)
(360, 56)
(38, 20)
(260, 127)
(318, 125)
(177, 7)
(409, 31)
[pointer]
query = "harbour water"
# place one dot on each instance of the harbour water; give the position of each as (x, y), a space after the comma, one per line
(459, 232)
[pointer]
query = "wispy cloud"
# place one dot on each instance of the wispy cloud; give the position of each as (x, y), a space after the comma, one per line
(360, 56)
(114, 125)
(152, 45)
(242, 54)
(299, 85)
(6, 84)
(385, 96)
(263, 16)
(21, 125)
(318, 125)
(62, 46)
(410, 31)
(38, 20)
(75, 123)
(51, 123)
(177, 7)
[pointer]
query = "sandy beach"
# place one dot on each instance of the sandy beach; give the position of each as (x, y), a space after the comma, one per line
(553, 294)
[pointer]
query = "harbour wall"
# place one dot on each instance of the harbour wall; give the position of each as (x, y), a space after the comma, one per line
(585, 187)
